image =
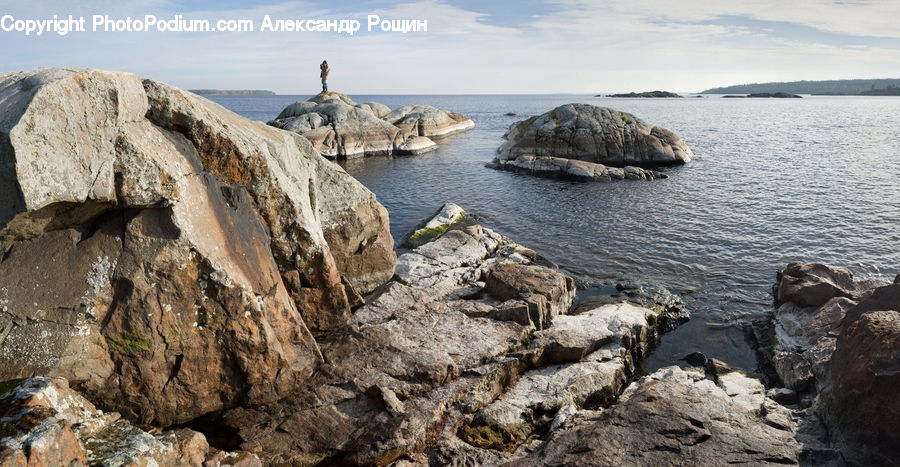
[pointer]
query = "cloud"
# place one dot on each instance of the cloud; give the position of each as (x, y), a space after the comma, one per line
(570, 46)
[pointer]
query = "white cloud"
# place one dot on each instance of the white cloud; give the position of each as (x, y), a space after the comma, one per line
(582, 46)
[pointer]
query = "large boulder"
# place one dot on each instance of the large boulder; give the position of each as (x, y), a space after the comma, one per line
(342, 129)
(169, 257)
(837, 342)
(594, 134)
(859, 394)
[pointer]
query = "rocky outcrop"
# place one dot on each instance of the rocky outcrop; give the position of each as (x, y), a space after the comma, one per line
(569, 169)
(594, 134)
(340, 128)
(677, 417)
(837, 342)
(166, 256)
(47, 424)
(468, 351)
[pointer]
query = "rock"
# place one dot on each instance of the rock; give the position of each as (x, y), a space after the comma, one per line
(569, 169)
(340, 128)
(673, 417)
(809, 285)
(594, 134)
(48, 424)
(420, 348)
(783, 396)
(813, 300)
(696, 359)
(645, 94)
(425, 120)
(836, 342)
(859, 395)
(439, 358)
(548, 291)
(165, 255)
(449, 216)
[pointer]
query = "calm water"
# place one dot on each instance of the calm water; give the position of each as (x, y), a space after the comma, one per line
(774, 180)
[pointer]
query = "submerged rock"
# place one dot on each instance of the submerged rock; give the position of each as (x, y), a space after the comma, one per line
(167, 256)
(340, 128)
(594, 134)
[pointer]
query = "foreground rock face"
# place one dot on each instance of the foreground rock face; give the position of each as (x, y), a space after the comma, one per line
(340, 128)
(165, 255)
(47, 424)
(837, 342)
(676, 417)
(556, 167)
(594, 134)
(467, 353)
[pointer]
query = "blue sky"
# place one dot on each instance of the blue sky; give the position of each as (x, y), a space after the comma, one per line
(479, 46)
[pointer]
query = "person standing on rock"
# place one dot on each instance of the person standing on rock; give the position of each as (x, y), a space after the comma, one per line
(324, 75)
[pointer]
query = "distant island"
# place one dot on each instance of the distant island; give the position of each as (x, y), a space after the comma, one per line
(841, 87)
(232, 91)
(643, 94)
(776, 95)
(891, 90)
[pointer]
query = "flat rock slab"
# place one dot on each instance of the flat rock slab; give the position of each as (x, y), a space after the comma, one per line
(672, 417)
(569, 169)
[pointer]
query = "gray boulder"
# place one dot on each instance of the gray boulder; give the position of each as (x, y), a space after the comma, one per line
(425, 120)
(594, 134)
(340, 128)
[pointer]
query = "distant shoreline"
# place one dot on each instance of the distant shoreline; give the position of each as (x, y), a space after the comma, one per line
(255, 92)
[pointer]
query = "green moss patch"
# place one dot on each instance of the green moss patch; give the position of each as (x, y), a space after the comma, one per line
(493, 438)
(128, 343)
(555, 118)
(426, 235)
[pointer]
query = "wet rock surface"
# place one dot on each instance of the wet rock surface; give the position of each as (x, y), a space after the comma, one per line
(340, 128)
(593, 134)
(166, 256)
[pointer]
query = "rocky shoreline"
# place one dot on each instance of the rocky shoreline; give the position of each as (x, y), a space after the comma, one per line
(183, 286)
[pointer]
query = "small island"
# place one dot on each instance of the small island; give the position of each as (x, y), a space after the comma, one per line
(254, 92)
(775, 95)
(643, 94)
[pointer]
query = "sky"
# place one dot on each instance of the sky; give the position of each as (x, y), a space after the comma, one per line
(481, 46)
